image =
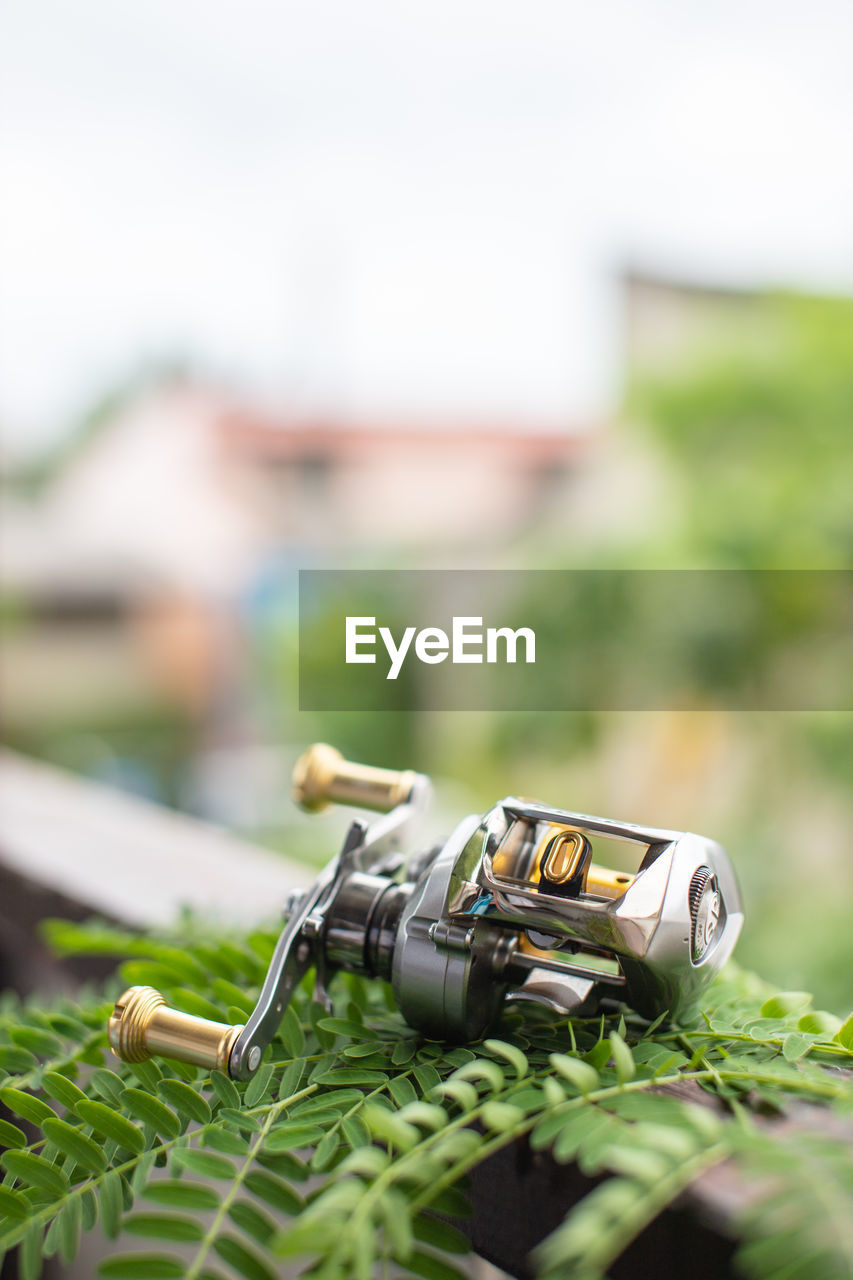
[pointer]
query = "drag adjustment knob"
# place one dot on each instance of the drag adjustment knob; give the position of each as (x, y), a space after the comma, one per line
(705, 905)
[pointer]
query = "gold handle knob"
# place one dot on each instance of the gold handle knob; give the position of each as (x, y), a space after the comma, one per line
(142, 1024)
(322, 776)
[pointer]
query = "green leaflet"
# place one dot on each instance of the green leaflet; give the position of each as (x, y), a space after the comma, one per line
(440, 1235)
(284, 1163)
(68, 1224)
(785, 1003)
(73, 1143)
(844, 1034)
(291, 1033)
(36, 1040)
(291, 1079)
(426, 1114)
(225, 1089)
(351, 1075)
(355, 1131)
(205, 1163)
(33, 1170)
(819, 1023)
(307, 1236)
(402, 1090)
(510, 1053)
(62, 1089)
(163, 1226)
(347, 1027)
(426, 1076)
(244, 1260)
(25, 1105)
(226, 1140)
(623, 1058)
(239, 1120)
(111, 1124)
(258, 1086)
(432, 1268)
(186, 1100)
(398, 1225)
(581, 1075)
(324, 1155)
(108, 1085)
(256, 1224)
(500, 1116)
(403, 1052)
(274, 1192)
(481, 1070)
(462, 1092)
(388, 1126)
(14, 1059)
(795, 1046)
(148, 1074)
(88, 1209)
(229, 994)
(578, 1129)
(13, 1204)
(150, 1110)
(111, 1204)
(31, 1251)
(293, 1137)
(189, 1001)
(142, 1266)
(11, 1135)
(181, 1194)
(338, 1100)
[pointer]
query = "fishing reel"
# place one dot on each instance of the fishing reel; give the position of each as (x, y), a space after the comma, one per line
(514, 906)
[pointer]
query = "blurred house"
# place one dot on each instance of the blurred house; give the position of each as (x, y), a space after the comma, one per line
(670, 320)
(128, 571)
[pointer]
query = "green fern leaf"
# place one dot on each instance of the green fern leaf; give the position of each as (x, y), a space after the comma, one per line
(275, 1192)
(33, 1170)
(185, 1100)
(26, 1106)
(14, 1205)
(163, 1226)
(150, 1110)
(181, 1194)
(204, 1163)
(11, 1135)
(111, 1124)
(142, 1266)
(244, 1261)
(71, 1142)
(111, 1204)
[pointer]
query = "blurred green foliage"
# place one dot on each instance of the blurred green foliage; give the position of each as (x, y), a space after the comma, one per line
(760, 432)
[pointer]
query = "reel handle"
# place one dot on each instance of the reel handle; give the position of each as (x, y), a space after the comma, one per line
(142, 1024)
(321, 776)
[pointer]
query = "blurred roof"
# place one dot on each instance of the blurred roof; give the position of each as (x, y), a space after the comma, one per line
(278, 438)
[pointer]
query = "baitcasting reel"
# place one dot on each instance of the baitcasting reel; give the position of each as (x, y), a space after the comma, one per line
(511, 907)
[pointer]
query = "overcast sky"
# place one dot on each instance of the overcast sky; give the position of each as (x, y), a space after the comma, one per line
(398, 208)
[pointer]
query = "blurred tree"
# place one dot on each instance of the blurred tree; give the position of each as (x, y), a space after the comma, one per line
(759, 430)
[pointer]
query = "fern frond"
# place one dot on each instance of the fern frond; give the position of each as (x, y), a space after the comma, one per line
(356, 1133)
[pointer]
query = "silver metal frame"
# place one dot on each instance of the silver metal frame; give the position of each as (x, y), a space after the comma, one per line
(456, 950)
